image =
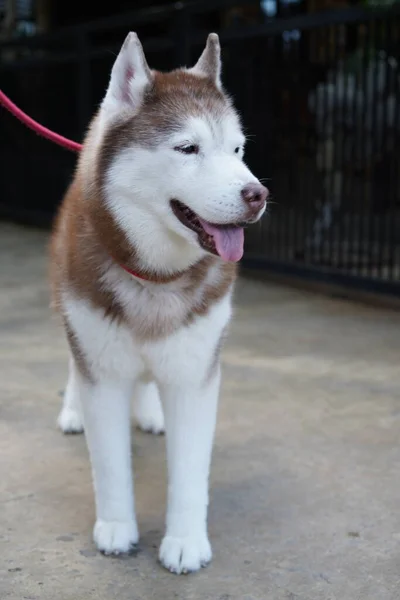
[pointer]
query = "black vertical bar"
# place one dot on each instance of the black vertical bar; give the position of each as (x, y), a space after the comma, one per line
(393, 184)
(182, 33)
(84, 83)
(285, 212)
(312, 178)
(280, 221)
(344, 159)
(371, 216)
(265, 143)
(336, 166)
(286, 106)
(326, 135)
(288, 64)
(275, 136)
(382, 249)
(353, 149)
(298, 208)
(364, 141)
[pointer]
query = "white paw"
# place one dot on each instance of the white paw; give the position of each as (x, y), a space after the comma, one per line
(185, 554)
(150, 419)
(70, 420)
(116, 537)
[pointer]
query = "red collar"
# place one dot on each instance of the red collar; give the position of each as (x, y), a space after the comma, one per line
(144, 277)
(133, 273)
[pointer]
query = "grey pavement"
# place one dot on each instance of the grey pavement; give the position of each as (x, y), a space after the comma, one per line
(305, 491)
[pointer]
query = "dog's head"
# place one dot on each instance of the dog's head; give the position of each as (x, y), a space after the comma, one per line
(171, 161)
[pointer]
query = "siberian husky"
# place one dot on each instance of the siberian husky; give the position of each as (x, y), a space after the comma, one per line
(143, 262)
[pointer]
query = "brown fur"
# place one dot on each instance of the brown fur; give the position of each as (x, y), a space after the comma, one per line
(86, 240)
(216, 355)
(77, 352)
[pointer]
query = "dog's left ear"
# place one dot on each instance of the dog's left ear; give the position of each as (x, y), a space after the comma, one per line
(130, 77)
(209, 63)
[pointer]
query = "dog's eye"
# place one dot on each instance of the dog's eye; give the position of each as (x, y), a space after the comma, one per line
(237, 150)
(188, 149)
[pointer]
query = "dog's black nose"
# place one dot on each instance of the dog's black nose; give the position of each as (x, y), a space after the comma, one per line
(255, 195)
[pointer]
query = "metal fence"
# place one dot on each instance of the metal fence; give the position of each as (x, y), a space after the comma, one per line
(319, 94)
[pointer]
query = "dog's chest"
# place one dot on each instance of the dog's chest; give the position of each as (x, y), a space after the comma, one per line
(152, 311)
(159, 313)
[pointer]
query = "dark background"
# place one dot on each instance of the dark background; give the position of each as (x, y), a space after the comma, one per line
(317, 82)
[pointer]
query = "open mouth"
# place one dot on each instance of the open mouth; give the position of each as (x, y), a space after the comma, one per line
(225, 240)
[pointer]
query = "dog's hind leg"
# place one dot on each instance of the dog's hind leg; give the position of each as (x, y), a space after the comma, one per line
(70, 419)
(148, 412)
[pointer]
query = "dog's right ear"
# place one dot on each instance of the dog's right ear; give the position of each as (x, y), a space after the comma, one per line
(130, 76)
(209, 63)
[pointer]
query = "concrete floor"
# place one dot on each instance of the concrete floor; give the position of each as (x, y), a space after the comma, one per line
(305, 500)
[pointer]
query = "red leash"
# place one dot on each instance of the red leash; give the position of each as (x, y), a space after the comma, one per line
(37, 127)
(53, 137)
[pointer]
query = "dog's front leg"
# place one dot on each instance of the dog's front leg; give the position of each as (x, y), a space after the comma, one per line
(190, 415)
(106, 409)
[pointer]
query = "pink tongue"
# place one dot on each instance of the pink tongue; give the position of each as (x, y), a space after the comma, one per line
(228, 240)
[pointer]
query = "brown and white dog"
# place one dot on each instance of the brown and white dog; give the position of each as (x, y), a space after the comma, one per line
(143, 264)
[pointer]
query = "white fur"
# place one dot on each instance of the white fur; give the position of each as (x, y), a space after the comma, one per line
(147, 409)
(180, 365)
(190, 414)
(106, 408)
(129, 77)
(209, 63)
(70, 419)
(175, 368)
(154, 176)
